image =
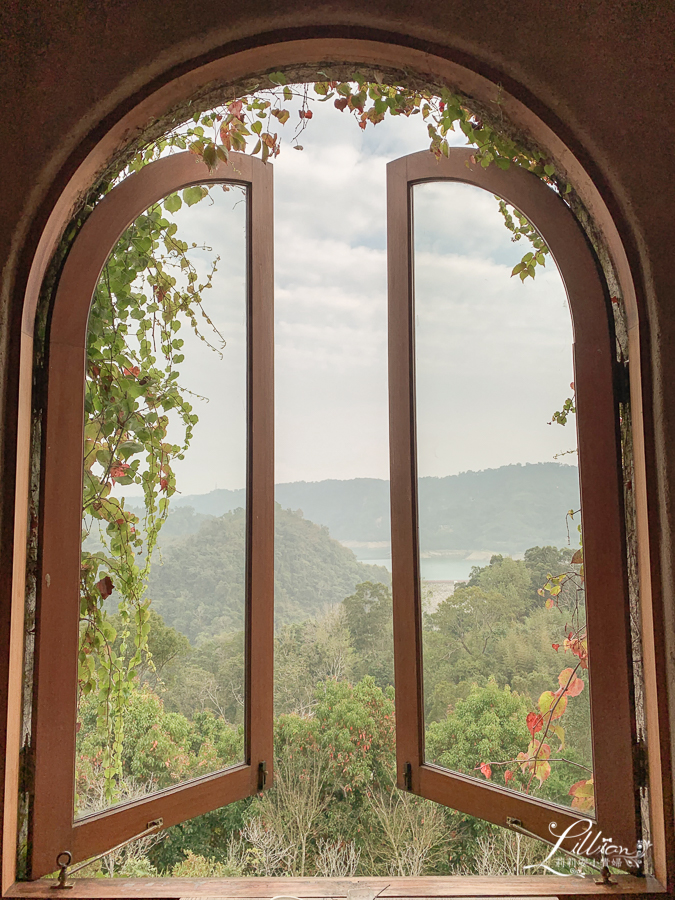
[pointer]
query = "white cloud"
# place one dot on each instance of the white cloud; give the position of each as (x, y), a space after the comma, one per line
(496, 352)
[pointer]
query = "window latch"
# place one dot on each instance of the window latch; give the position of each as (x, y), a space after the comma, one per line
(407, 776)
(65, 856)
(262, 775)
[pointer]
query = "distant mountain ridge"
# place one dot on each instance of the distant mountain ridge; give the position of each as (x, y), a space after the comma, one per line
(507, 509)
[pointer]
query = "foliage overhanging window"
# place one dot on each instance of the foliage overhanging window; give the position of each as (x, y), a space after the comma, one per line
(128, 349)
(510, 791)
(135, 369)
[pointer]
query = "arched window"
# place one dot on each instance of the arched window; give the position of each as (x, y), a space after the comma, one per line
(600, 473)
(54, 827)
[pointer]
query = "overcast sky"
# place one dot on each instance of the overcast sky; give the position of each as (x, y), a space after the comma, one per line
(493, 355)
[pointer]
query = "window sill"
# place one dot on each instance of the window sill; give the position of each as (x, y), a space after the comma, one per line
(547, 886)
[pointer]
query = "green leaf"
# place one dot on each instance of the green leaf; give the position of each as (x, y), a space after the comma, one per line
(131, 447)
(210, 156)
(277, 78)
(173, 203)
(194, 194)
(282, 115)
(549, 169)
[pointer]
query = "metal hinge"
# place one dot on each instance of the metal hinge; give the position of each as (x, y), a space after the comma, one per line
(407, 776)
(641, 764)
(622, 382)
(262, 775)
(26, 768)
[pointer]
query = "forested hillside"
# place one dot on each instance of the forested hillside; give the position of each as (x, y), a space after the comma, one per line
(506, 509)
(197, 584)
(493, 654)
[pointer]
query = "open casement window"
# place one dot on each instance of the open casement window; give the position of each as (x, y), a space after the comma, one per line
(609, 674)
(55, 825)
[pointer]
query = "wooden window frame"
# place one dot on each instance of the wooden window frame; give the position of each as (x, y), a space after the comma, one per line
(601, 484)
(52, 825)
(307, 887)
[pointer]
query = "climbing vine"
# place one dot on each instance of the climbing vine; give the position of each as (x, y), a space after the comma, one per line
(564, 591)
(149, 289)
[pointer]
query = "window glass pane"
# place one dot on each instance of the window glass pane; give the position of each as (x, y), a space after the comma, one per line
(161, 676)
(505, 663)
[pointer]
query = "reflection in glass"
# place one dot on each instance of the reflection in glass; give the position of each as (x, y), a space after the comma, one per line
(161, 662)
(505, 659)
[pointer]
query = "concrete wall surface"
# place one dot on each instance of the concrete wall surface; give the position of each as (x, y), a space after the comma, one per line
(599, 75)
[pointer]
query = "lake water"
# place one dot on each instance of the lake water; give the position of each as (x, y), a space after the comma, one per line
(438, 568)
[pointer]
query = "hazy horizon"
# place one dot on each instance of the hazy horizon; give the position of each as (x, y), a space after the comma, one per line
(182, 495)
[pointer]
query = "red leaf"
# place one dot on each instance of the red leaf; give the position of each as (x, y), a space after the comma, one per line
(306, 114)
(575, 787)
(535, 723)
(569, 683)
(583, 793)
(556, 647)
(486, 770)
(235, 108)
(341, 103)
(508, 775)
(105, 586)
(164, 484)
(119, 470)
